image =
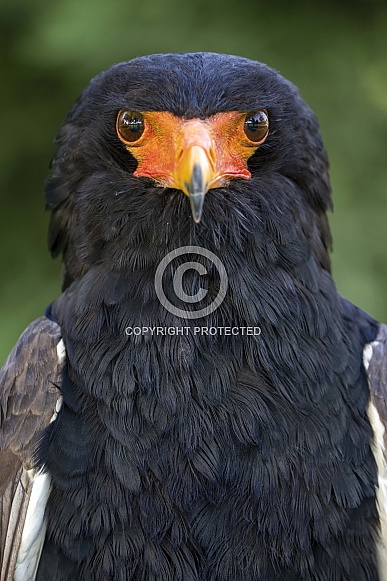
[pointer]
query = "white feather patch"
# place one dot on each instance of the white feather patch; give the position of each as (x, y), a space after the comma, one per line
(367, 355)
(34, 530)
(381, 495)
(368, 352)
(61, 351)
(58, 405)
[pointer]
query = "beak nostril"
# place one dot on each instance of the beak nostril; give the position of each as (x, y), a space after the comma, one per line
(179, 154)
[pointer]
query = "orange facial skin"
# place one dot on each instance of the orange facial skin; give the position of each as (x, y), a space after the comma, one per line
(165, 150)
(192, 155)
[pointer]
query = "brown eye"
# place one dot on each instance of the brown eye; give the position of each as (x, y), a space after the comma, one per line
(257, 126)
(130, 126)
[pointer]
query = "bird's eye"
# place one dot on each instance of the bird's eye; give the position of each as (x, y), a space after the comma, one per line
(129, 126)
(257, 126)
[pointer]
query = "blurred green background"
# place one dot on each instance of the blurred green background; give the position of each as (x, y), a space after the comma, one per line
(337, 55)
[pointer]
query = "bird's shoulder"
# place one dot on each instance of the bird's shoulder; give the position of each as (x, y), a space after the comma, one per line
(375, 362)
(29, 396)
(29, 385)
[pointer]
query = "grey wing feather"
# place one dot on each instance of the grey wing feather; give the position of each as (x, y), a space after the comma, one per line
(375, 362)
(375, 359)
(29, 390)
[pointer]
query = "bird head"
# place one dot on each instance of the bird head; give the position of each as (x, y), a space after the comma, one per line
(195, 143)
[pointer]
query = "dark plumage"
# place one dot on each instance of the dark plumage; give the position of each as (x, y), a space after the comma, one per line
(194, 457)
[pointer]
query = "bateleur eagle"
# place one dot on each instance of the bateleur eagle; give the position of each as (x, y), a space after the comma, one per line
(143, 438)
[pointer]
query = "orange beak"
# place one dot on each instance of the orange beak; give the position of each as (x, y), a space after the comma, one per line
(193, 155)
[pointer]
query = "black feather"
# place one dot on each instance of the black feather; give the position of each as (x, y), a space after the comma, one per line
(195, 457)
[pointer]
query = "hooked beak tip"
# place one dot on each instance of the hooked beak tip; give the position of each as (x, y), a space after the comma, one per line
(197, 201)
(196, 190)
